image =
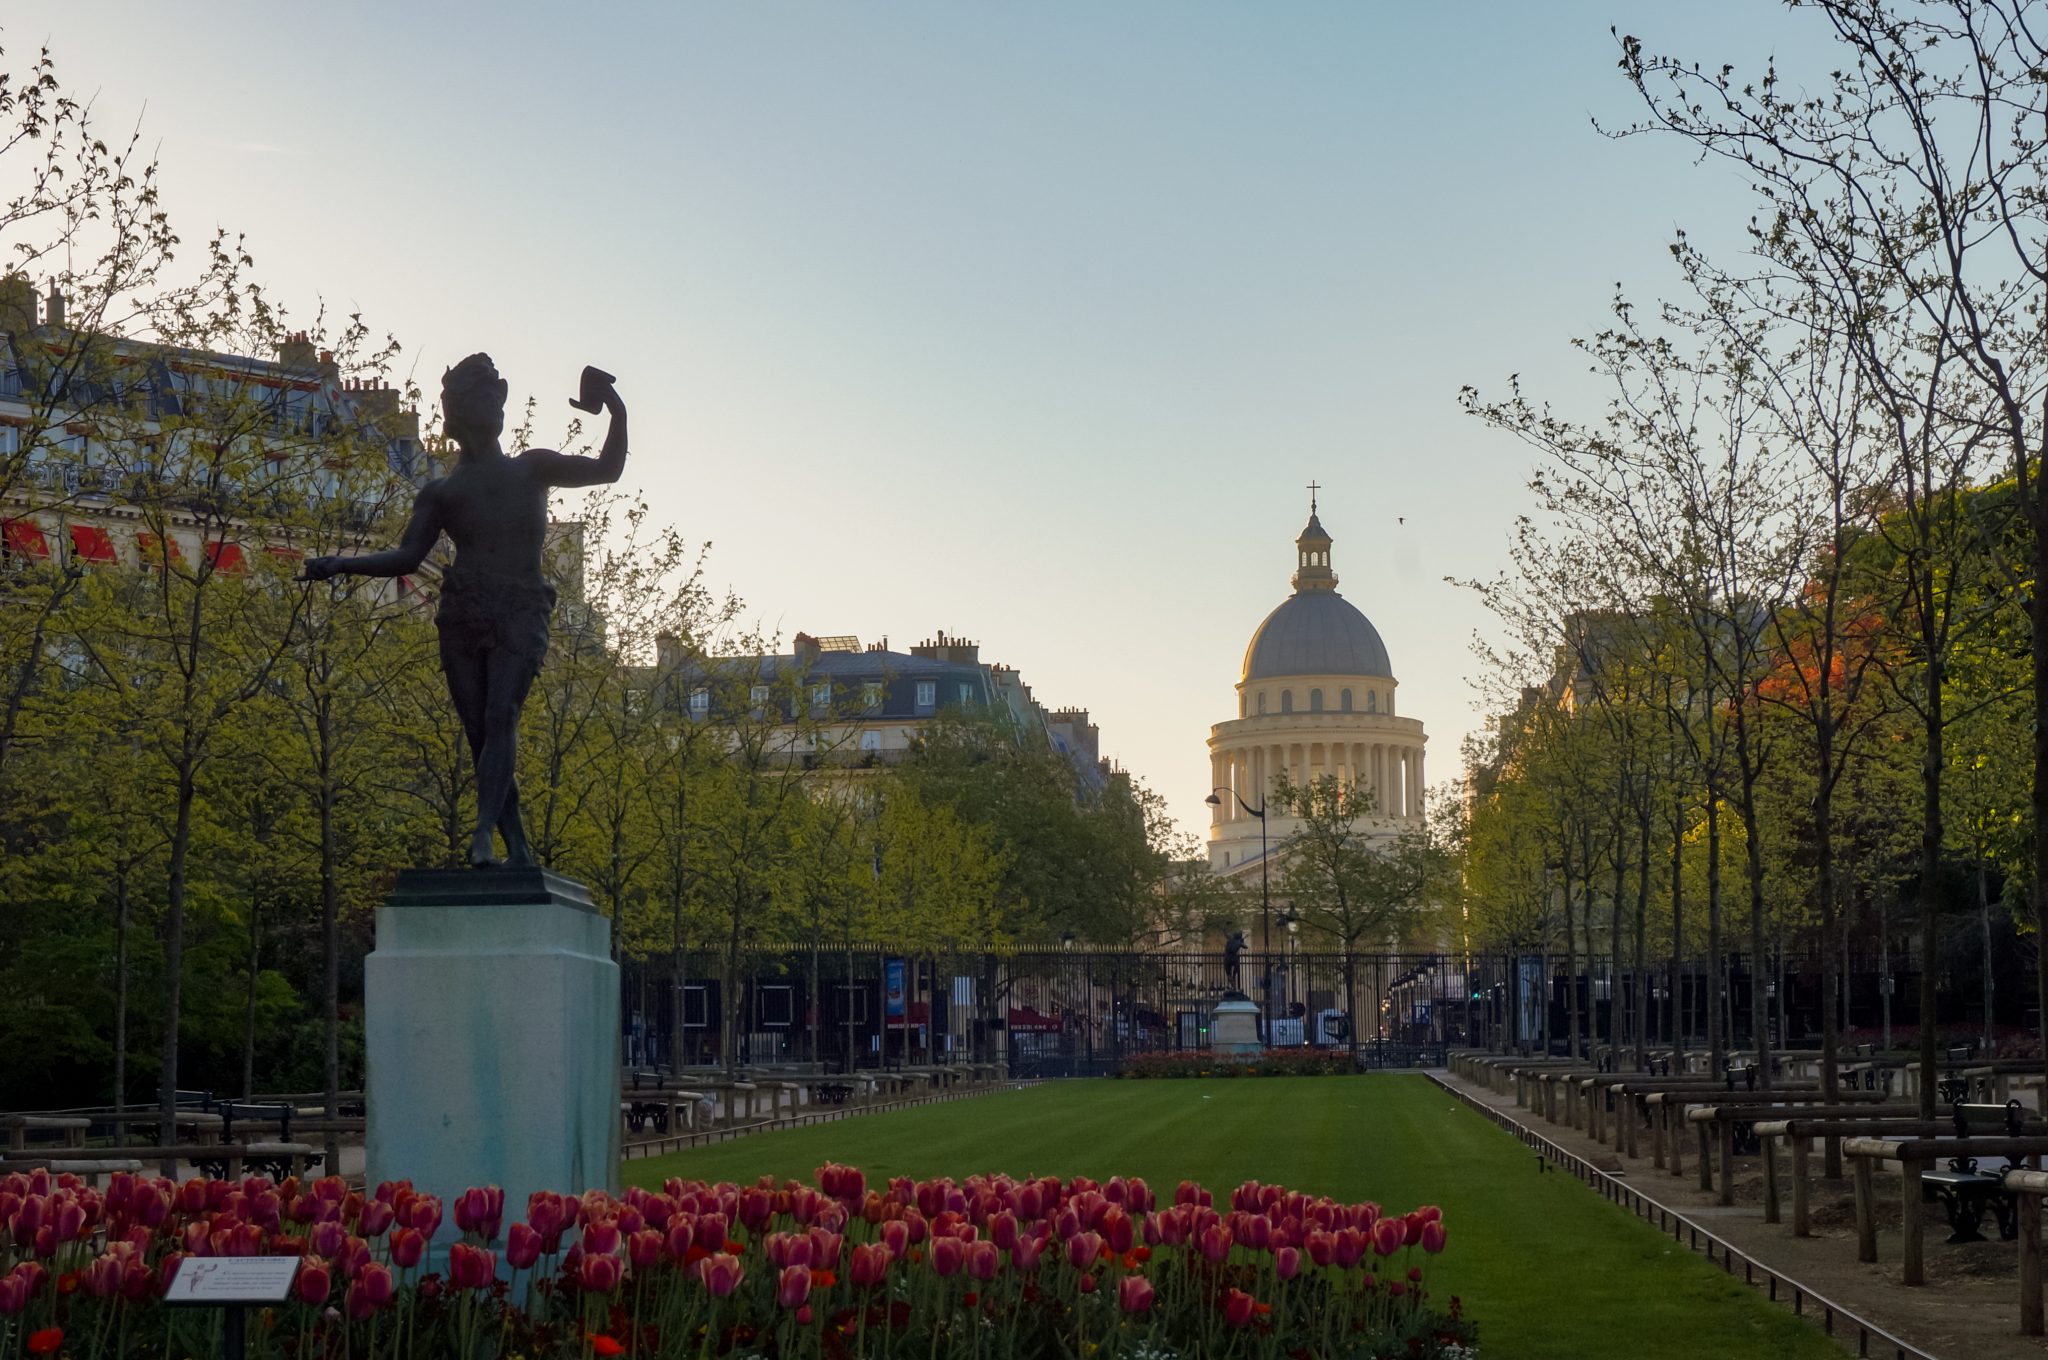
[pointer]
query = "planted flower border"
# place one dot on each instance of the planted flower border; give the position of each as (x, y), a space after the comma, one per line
(990, 1267)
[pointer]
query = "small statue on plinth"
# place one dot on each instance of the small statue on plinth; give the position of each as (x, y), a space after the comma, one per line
(1232, 948)
(495, 599)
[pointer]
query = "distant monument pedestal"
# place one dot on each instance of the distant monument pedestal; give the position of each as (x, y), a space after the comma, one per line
(1234, 1027)
(491, 1036)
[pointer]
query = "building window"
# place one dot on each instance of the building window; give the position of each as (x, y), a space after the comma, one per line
(1315, 701)
(1243, 705)
(758, 695)
(1372, 701)
(821, 694)
(700, 703)
(870, 740)
(1262, 701)
(1286, 701)
(1226, 859)
(927, 693)
(871, 694)
(966, 693)
(1344, 701)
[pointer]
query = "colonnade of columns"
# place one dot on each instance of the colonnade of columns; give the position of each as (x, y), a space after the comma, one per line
(1392, 770)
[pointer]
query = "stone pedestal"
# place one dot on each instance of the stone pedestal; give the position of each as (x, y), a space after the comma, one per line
(1234, 1027)
(491, 1029)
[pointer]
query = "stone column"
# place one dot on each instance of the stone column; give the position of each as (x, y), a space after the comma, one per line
(491, 1034)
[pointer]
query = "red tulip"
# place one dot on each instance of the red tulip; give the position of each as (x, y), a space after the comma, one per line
(479, 1210)
(643, 1249)
(46, 1341)
(377, 1284)
(522, 1246)
(1322, 1247)
(1237, 1308)
(407, 1246)
(1433, 1236)
(313, 1283)
(948, 1254)
(1118, 1230)
(601, 1237)
(1134, 1294)
(870, 1264)
(757, 1207)
(722, 1274)
(470, 1267)
(376, 1217)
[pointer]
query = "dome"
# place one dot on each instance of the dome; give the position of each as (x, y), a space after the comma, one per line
(1316, 632)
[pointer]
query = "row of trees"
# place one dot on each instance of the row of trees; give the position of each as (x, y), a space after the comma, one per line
(1774, 643)
(208, 771)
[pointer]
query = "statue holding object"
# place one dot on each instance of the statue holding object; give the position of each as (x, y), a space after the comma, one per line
(495, 599)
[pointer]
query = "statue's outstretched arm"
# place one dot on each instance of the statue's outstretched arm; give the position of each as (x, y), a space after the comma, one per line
(418, 540)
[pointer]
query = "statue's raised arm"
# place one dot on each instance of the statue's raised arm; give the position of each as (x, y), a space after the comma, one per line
(566, 469)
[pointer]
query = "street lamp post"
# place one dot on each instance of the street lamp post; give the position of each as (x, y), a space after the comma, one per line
(1265, 901)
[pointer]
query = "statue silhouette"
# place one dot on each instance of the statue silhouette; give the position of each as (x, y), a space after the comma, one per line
(495, 600)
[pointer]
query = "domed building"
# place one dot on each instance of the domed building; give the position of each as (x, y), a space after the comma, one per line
(1316, 698)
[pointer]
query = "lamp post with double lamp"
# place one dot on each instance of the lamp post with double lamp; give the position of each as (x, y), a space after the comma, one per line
(1265, 901)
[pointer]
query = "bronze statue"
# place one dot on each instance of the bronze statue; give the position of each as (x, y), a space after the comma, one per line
(495, 600)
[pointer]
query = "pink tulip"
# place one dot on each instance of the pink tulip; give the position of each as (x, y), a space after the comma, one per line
(825, 1246)
(377, 1284)
(1237, 1308)
(722, 1274)
(1084, 1250)
(643, 1249)
(1118, 1230)
(326, 1239)
(1411, 1228)
(895, 1236)
(1389, 1235)
(984, 1259)
(422, 1214)
(757, 1207)
(470, 1267)
(870, 1264)
(1029, 1251)
(680, 1236)
(1352, 1246)
(313, 1283)
(1322, 1247)
(711, 1230)
(1433, 1236)
(522, 1246)
(948, 1254)
(793, 1286)
(786, 1249)
(1287, 1262)
(599, 1274)
(1215, 1242)
(1002, 1230)
(1134, 1294)
(601, 1237)
(1257, 1232)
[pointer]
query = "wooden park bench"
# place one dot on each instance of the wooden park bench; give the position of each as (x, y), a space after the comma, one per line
(1965, 1189)
(58, 1129)
(1799, 1125)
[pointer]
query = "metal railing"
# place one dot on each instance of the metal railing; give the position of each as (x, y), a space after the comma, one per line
(1800, 1298)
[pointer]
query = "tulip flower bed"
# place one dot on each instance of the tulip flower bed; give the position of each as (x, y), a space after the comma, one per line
(1273, 1062)
(989, 1267)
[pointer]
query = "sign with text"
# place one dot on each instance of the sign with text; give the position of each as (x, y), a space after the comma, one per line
(893, 988)
(224, 1280)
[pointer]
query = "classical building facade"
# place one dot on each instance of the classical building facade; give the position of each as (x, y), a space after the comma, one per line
(1316, 698)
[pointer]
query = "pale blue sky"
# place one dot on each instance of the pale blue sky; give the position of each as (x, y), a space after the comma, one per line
(1028, 321)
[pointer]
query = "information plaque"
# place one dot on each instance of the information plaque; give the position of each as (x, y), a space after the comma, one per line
(224, 1281)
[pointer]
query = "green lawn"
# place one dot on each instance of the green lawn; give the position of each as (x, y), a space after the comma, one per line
(1546, 1267)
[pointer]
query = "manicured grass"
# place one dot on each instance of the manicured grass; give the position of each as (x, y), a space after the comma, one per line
(1546, 1267)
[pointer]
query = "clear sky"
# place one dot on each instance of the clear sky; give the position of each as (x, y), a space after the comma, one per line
(1028, 322)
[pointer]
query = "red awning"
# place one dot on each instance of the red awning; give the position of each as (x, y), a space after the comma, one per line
(1025, 1020)
(226, 557)
(23, 538)
(151, 551)
(91, 544)
(288, 554)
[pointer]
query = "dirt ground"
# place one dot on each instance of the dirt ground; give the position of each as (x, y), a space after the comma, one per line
(1967, 1310)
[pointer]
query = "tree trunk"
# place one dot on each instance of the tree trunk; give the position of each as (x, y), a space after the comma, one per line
(249, 1003)
(174, 953)
(1571, 956)
(1824, 870)
(1753, 865)
(1930, 875)
(1716, 1058)
(121, 912)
